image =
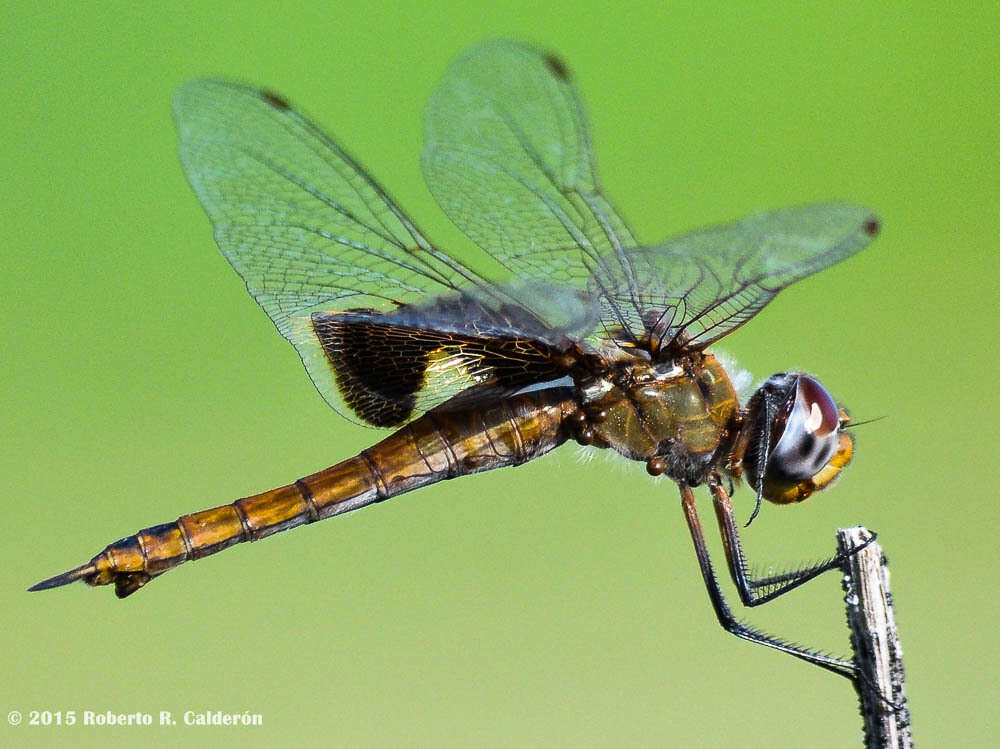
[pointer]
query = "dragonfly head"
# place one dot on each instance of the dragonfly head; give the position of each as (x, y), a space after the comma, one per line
(795, 441)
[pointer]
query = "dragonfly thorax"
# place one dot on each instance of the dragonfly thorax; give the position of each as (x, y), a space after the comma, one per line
(682, 412)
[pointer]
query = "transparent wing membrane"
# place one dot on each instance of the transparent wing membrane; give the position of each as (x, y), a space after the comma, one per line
(508, 157)
(293, 213)
(696, 288)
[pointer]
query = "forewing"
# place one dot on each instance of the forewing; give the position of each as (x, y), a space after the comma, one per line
(696, 288)
(508, 158)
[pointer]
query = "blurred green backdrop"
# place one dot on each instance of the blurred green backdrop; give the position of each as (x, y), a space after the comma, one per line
(558, 604)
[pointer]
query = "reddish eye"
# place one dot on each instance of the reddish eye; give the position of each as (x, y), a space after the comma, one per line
(804, 435)
(824, 417)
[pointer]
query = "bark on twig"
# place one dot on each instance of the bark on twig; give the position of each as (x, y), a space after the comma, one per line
(875, 640)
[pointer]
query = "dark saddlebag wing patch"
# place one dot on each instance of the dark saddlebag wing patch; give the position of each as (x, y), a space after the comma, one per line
(388, 372)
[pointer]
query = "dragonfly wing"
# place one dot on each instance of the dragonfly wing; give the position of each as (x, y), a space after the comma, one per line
(307, 229)
(386, 324)
(508, 158)
(698, 287)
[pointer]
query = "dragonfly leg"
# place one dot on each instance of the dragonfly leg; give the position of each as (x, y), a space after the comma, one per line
(725, 614)
(755, 591)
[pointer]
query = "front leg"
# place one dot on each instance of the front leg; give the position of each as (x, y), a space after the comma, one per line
(725, 615)
(773, 586)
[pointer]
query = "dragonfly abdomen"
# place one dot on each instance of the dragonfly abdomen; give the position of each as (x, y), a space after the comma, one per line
(444, 443)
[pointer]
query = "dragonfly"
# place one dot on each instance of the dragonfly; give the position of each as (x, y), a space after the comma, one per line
(577, 333)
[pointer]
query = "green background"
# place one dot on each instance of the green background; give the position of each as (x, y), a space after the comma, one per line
(554, 605)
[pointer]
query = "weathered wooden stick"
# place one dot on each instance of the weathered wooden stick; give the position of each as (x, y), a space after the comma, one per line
(875, 640)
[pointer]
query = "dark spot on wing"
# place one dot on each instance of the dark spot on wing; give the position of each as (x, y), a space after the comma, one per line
(380, 365)
(872, 227)
(378, 373)
(557, 66)
(275, 100)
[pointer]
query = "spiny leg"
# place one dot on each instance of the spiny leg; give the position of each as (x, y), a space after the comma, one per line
(774, 585)
(725, 615)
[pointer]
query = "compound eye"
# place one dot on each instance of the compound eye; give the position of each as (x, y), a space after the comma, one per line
(804, 436)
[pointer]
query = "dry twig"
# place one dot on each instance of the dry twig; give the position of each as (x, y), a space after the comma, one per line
(875, 640)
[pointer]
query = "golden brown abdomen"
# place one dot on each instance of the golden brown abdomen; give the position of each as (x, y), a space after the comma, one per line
(442, 444)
